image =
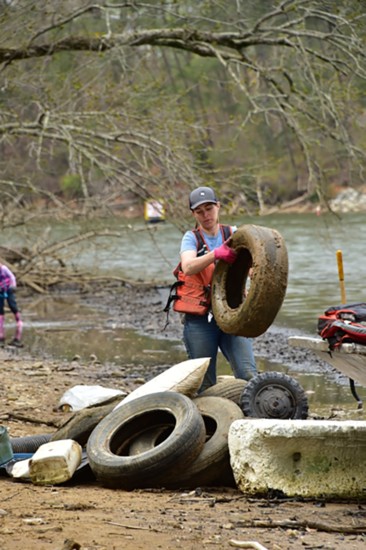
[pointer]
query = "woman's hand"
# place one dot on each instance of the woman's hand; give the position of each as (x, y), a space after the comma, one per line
(225, 253)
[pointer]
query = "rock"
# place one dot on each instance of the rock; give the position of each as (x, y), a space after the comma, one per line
(349, 200)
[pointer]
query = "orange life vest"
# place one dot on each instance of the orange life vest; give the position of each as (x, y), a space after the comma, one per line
(192, 293)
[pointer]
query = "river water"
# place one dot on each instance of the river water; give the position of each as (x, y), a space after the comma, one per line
(150, 252)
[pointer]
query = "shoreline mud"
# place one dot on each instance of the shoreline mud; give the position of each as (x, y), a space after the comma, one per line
(141, 308)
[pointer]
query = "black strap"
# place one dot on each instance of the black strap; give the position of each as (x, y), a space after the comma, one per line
(202, 247)
(172, 296)
(227, 231)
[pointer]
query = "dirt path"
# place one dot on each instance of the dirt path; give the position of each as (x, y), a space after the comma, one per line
(87, 516)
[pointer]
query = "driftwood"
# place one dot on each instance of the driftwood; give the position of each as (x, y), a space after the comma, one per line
(346, 529)
(13, 256)
(303, 525)
(45, 267)
(30, 419)
(137, 527)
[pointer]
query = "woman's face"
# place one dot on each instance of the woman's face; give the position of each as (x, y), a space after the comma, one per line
(207, 215)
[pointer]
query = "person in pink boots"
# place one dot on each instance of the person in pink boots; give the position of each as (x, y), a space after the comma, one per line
(7, 292)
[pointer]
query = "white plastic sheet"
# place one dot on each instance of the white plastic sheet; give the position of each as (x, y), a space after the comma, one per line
(82, 396)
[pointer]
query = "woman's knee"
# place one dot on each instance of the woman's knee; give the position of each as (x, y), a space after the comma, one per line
(239, 353)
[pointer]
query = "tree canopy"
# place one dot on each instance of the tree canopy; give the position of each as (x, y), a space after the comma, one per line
(103, 100)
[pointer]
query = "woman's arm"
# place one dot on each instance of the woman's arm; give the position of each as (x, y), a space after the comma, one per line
(192, 264)
(10, 276)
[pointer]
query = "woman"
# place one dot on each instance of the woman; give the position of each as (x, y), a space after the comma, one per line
(202, 336)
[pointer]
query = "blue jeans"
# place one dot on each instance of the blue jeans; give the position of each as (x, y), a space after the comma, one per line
(9, 296)
(203, 338)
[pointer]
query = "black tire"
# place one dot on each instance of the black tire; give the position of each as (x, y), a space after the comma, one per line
(274, 395)
(263, 249)
(108, 444)
(212, 466)
(149, 439)
(229, 388)
(81, 424)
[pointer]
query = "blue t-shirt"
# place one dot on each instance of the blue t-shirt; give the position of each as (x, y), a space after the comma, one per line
(189, 241)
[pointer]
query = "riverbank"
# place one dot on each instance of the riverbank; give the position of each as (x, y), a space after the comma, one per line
(141, 308)
(86, 516)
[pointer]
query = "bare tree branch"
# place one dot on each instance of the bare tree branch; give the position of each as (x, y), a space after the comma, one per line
(292, 62)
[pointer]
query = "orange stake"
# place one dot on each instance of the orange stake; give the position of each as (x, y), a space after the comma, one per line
(341, 276)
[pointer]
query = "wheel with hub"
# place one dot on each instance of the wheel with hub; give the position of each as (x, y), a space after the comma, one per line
(274, 395)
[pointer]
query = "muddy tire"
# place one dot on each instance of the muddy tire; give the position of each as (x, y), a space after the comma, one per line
(229, 388)
(274, 395)
(212, 466)
(149, 439)
(108, 445)
(81, 424)
(263, 249)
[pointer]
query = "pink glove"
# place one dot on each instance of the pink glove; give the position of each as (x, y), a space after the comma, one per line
(225, 253)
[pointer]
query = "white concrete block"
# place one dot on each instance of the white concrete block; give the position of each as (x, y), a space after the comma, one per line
(308, 458)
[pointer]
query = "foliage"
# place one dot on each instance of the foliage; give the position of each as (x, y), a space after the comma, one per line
(262, 100)
(71, 185)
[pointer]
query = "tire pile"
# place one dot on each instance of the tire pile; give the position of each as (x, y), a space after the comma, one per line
(166, 439)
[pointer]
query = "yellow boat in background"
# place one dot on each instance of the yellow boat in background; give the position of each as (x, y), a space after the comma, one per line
(154, 211)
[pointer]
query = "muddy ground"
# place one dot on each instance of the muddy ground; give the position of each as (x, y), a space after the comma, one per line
(82, 514)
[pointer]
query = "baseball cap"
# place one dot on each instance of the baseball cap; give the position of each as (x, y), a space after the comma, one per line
(200, 196)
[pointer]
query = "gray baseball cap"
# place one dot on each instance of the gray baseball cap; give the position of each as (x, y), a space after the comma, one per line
(200, 196)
